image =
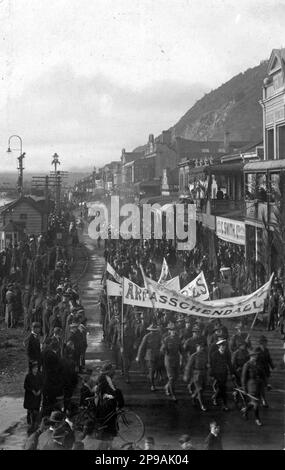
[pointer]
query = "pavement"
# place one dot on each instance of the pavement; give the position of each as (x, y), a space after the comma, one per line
(165, 420)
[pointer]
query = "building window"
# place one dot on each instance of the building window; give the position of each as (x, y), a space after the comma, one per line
(270, 144)
(23, 216)
(281, 142)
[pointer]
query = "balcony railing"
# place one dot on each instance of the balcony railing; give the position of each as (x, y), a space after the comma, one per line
(260, 211)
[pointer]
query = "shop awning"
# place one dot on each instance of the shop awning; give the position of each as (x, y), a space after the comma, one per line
(265, 165)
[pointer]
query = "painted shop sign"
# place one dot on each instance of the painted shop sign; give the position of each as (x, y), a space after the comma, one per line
(230, 230)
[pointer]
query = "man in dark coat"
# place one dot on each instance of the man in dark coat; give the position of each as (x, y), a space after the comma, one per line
(213, 440)
(220, 365)
(33, 344)
(33, 389)
(266, 364)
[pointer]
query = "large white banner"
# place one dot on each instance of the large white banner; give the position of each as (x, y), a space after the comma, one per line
(158, 296)
(198, 288)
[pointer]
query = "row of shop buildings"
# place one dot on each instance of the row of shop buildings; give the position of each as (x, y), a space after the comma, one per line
(238, 187)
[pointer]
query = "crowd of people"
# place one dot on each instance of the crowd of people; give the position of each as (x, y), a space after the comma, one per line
(168, 345)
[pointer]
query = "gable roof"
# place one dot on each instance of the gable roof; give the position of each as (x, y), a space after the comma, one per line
(280, 55)
(26, 199)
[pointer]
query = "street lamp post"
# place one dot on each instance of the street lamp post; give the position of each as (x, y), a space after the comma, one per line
(55, 162)
(20, 159)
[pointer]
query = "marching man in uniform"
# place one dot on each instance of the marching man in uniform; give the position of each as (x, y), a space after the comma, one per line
(253, 383)
(149, 350)
(172, 350)
(196, 370)
(220, 365)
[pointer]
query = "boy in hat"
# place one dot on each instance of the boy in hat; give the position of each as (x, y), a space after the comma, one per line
(149, 350)
(172, 350)
(253, 383)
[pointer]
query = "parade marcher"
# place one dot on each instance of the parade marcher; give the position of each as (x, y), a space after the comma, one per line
(149, 350)
(272, 309)
(220, 365)
(213, 440)
(253, 383)
(127, 350)
(281, 315)
(239, 358)
(239, 338)
(172, 350)
(189, 346)
(33, 344)
(265, 362)
(33, 385)
(196, 370)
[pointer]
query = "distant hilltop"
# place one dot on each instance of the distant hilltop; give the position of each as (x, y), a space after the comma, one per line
(233, 107)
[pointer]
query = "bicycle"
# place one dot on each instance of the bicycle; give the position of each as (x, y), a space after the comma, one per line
(130, 426)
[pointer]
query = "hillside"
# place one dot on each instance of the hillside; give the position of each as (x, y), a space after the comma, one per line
(233, 107)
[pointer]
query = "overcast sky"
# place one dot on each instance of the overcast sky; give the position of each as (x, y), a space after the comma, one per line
(85, 78)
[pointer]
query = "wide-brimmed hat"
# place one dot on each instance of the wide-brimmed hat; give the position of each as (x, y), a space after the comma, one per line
(56, 417)
(152, 328)
(221, 341)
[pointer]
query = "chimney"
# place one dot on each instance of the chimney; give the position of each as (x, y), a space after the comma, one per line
(151, 139)
(227, 141)
(166, 137)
